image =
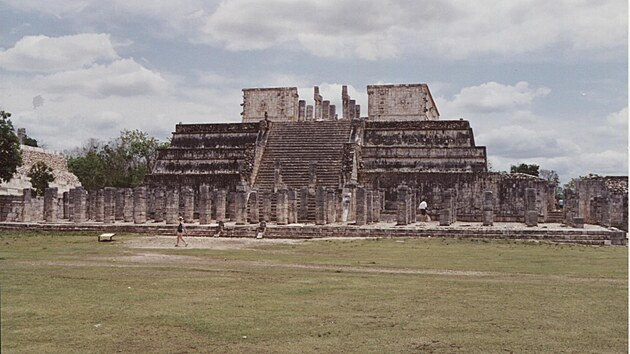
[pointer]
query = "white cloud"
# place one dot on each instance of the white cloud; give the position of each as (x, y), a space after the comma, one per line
(50, 54)
(493, 97)
(123, 77)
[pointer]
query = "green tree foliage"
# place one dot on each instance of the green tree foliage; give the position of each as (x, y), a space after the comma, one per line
(41, 175)
(122, 162)
(10, 154)
(525, 168)
(29, 141)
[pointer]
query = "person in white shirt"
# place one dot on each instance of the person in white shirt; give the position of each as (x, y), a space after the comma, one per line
(423, 209)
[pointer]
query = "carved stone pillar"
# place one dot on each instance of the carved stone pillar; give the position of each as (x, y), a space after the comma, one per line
(140, 205)
(361, 206)
(50, 204)
(488, 208)
(205, 205)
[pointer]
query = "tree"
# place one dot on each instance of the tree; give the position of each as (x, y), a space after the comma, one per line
(40, 175)
(29, 141)
(550, 175)
(10, 154)
(122, 162)
(525, 168)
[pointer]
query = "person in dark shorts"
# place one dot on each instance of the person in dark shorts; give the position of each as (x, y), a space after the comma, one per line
(180, 230)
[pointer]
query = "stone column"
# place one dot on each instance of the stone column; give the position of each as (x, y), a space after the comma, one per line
(220, 201)
(446, 214)
(345, 101)
(70, 204)
(317, 98)
(331, 206)
(205, 205)
(80, 205)
(266, 206)
(352, 212)
(303, 214)
(301, 110)
(309, 112)
(282, 209)
(50, 204)
(172, 206)
(293, 206)
(402, 200)
(254, 213)
(240, 207)
(188, 196)
(376, 206)
(488, 208)
(119, 205)
(351, 109)
(531, 215)
(312, 177)
(231, 205)
(26, 205)
(66, 202)
(128, 205)
(369, 206)
(139, 205)
(100, 206)
(333, 112)
(413, 205)
(108, 205)
(361, 206)
(91, 200)
(159, 204)
(326, 110)
(320, 206)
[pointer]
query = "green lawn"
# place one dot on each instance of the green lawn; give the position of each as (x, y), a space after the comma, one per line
(66, 293)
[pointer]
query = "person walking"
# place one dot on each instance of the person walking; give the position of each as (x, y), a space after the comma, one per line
(180, 230)
(423, 209)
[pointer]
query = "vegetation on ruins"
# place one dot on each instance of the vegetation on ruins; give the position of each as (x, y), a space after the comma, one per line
(122, 162)
(30, 141)
(41, 175)
(528, 169)
(63, 292)
(10, 154)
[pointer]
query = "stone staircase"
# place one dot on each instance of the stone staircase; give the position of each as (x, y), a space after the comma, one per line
(555, 217)
(295, 145)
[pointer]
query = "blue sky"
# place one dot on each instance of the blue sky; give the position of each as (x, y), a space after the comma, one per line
(542, 82)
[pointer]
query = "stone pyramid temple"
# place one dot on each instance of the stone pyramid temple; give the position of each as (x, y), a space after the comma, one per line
(284, 143)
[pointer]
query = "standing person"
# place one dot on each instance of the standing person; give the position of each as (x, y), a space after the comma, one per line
(345, 203)
(181, 229)
(423, 209)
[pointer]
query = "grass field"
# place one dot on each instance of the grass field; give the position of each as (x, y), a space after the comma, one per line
(66, 293)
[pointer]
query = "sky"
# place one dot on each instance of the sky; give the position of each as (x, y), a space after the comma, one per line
(541, 82)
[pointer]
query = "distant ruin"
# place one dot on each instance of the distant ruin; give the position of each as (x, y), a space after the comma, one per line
(289, 162)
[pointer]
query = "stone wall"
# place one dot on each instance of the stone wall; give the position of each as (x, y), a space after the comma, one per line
(507, 189)
(64, 179)
(400, 103)
(599, 200)
(280, 104)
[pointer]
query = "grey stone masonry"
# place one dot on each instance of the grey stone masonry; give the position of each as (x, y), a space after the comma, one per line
(172, 206)
(99, 215)
(488, 208)
(80, 205)
(447, 212)
(301, 110)
(26, 205)
(240, 207)
(320, 206)
(317, 98)
(188, 196)
(159, 204)
(293, 206)
(331, 209)
(119, 207)
(369, 206)
(254, 212)
(309, 112)
(312, 177)
(128, 205)
(108, 204)
(139, 205)
(50, 204)
(205, 205)
(70, 211)
(303, 213)
(361, 206)
(326, 110)
(578, 222)
(282, 207)
(220, 201)
(413, 206)
(66, 201)
(531, 215)
(376, 206)
(402, 201)
(266, 206)
(231, 205)
(91, 205)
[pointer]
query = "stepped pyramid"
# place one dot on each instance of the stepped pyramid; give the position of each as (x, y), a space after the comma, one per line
(295, 145)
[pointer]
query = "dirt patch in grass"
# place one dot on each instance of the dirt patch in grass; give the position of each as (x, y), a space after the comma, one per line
(215, 243)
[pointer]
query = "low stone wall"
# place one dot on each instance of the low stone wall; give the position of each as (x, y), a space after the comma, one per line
(600, 200)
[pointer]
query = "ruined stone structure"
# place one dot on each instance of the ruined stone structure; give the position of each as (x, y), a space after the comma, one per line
(598, 200)
(64, 179)
(289, 162)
